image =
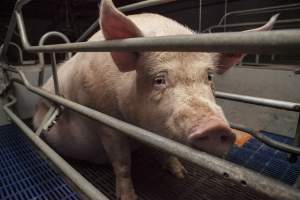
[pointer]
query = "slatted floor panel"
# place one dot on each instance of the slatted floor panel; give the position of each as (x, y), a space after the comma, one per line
(24, 174)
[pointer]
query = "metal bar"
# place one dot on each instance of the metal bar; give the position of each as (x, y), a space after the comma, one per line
(285, 105)
(268, 141)
(54, 73)
(225, 11)
(294, 157)
(255, 10)
(280, 42)
(297, 135)
(297, 183)
(200, 16)
(79, 181)
(271, 11)
(19, 51)
(46, 121)
(41, 55)
(45, 37)
(284, 21)
(8, 36)
(127, 8)
(221, 167)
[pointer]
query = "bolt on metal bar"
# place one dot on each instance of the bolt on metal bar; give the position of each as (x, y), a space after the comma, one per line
(127, 8)
(285, 105)
(78, 180)
(239, 174)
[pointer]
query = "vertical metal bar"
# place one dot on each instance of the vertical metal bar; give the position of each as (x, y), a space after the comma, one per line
(43, 39)
(293, 157)
(257, 58)
(200, 16)
(54, 73)
(272, 57)
(225, 13)
(45, 122)
(297, 183)
(297, 135)
(7, 39)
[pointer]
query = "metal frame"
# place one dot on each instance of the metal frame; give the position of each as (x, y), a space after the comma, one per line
(223, 21)
(222, 24)
(266, 42)
(43, 39)
(245, 177)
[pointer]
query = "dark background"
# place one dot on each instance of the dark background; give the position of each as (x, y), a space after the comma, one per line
(73, 17)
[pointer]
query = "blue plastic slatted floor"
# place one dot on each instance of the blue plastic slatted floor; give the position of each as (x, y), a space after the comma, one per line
(25, 175)
(265, 160)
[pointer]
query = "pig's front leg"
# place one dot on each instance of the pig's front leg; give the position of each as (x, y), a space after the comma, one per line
(118, 151)
(174, 166)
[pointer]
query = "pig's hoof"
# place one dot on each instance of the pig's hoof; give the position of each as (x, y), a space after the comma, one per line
(174, 166)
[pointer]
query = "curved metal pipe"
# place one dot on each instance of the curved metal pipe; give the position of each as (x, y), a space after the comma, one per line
(19, 50)
(42, 41)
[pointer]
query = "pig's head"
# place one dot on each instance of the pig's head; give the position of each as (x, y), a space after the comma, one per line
(171, 92)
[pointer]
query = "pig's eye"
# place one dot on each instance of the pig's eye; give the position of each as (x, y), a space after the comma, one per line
(159, 82)
(210, 76)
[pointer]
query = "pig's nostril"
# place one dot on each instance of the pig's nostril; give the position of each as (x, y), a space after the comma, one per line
(223, 138)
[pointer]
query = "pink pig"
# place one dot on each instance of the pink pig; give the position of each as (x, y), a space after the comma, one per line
(168, 93)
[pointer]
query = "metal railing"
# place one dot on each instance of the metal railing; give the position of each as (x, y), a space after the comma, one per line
(266, 42)
(224, 26)
(219, 166)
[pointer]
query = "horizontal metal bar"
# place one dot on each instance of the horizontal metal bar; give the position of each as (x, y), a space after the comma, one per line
(219, 166)
(256, 10)
(284, 21)
(280, 42)
(285, 105)
(268, 141)
(79, 181)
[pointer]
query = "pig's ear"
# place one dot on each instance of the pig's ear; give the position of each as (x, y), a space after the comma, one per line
(115, 25)
(226, 60)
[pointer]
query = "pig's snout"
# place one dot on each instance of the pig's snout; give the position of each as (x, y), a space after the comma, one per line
(214, 137)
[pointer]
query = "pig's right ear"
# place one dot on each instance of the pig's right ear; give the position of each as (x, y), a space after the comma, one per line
(115, 25)
(227, 60)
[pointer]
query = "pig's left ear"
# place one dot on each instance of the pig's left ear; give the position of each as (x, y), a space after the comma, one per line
(115, 25)
(226, 60)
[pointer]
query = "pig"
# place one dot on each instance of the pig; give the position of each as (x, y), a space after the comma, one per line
(168, 93)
